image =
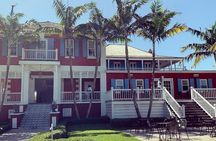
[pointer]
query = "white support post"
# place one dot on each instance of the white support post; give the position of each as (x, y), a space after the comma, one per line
(142, 65)
(56, 54)
(138, 93)
(112, 93)
(191, 91)
(108, 64)
(158, 61)
(23, 53)
(80, 86)
(57, 80)
(215, 110)
(183, 111)
(25, 85)
(171, 64)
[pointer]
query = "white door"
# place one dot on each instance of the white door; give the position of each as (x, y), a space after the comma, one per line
(168, 84)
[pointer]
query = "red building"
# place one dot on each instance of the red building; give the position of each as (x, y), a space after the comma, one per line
(40, 73)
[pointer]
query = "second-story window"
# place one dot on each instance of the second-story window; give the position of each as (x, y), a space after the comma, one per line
(91, 48)
(69, 47)
(117, 65)
(133, 65)
(13, 51)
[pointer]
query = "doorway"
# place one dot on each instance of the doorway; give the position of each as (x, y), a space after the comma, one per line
(168, 84)
(44, 90)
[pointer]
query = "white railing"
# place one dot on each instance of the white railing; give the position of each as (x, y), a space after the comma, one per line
(140, 94)
(173, 104)
(203, 103)
(83, 96)
(13, 97)
(39, 54)
(207, 93)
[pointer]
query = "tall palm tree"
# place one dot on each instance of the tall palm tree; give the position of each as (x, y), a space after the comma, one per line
(97, 29)
(155, 27)
(12, 32)
(202, 50)
(68, 16)
(123, 28)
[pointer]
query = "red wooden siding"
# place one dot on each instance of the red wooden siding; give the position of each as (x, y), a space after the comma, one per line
(15, 85)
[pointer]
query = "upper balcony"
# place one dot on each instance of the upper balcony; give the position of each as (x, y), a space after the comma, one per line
(39, 54)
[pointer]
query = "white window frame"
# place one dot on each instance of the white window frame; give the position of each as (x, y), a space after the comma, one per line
(205, 81)
(157, 83)
(133, 65)
(140, 87)
(94, 49)
(66, 41)
(46, 44)
(117, 81)
(16, 48)
(182, 86)
(116, 65)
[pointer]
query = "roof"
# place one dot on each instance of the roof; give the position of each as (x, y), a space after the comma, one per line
(119, 51)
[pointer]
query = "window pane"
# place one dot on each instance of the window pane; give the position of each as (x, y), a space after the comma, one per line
(91, 48)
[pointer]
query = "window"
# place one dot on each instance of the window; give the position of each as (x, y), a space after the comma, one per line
(185, 84)
(69, 47)
(203, 83)
(13, 50)
(91, 48)
(119, 84)
(117, 65)
(133, 65)
(42, 44)
(147, 65)
(139, 84)
(157, 83)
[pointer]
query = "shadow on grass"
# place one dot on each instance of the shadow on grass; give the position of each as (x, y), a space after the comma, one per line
(94, 134)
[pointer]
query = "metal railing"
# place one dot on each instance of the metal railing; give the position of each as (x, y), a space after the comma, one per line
(39, 54)
(147, 69)
(203, 103)
(207, 93)
(140, 94)
(173, 104)
(82, 96)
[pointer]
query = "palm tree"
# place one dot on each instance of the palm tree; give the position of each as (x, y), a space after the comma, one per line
(155, 27)
(97, 29)
(68, 16)
(123, 28)
(202, 50)
(13, 32)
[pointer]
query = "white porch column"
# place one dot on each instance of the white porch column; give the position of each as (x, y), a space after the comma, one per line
(25, 85)
(57, 85)
(158, 61)
(80, 86)
(171, 63)
(103, 90)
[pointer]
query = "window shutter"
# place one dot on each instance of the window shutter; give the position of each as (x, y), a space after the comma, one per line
(191, 82)
(198, 82)
(4, 47)
(76, 47)
(179, 85)
(51, 44)
(84, 47)
(113, 83)
(210, 85)
(146, 83)
(126, 86)
(133, 83)
(62, 47)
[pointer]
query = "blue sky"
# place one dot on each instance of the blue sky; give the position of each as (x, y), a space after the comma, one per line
(194, 13)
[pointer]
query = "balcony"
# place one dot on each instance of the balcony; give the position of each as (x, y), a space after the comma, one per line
(148, 69)
(39, 54)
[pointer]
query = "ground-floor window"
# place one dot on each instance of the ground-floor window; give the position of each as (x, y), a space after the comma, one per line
(139, 84)
(185, 85)
(203, 83)
(119, 84)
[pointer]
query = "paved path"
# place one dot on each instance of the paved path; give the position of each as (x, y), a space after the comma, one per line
(18, 135)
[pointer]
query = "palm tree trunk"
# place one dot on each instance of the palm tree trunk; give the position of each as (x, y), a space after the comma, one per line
(72, 87)
(6, 78)
(130, 81)
(94, 81)
(152, 82)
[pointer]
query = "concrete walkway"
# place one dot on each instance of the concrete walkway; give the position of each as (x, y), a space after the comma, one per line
(18, 135)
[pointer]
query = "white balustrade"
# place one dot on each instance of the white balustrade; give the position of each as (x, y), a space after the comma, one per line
(39, 54)
(207, 93)
(203, 103)
(13, 97)
(170, 100)
(85, 96)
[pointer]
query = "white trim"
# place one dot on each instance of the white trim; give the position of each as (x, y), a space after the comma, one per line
(184, 91)
(122, 81)
(73, 46)
(88, 56)
(142, 83)
(206, 82)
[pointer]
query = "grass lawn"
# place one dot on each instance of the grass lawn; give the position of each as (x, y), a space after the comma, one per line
(89, 132)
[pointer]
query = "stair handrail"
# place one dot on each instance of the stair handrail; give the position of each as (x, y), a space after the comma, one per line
(203, 103)
(174, 105)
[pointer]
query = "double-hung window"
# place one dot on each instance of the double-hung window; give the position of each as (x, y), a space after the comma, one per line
(69, 47)
(117, 65)
(203, 83)
(119, 84)
(185, 85)
(13, 50)
(139, 84)
(91, 48)
(133, 65)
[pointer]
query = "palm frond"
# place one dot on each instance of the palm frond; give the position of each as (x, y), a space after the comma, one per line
(177, 28)
(60, 9)
(195, 46)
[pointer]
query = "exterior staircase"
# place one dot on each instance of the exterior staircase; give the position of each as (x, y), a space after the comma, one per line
(36, 117)
(195, 116)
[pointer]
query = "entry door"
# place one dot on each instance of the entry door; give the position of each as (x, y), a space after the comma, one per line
(168, 84)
